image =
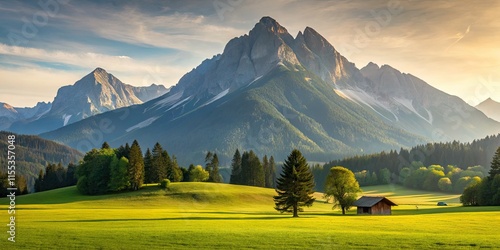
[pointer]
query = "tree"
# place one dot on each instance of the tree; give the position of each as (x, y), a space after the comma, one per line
(269, 171)
(445, 184)
(176, 174)
(343, 187)
(214, 174)
(135, 166)
(119, 178)
(295, 185)
(495, 164)
(271, 174)
(212, 167)
(385, 176)
(198, 174)
(148, 167)
(252, 170)
(159, 164)
(236, 168)
(105, 145)
(470, 196)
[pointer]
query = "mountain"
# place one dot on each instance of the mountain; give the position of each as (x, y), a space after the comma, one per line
(95, 93)
(10, 114)
(255, 95)
(411, 104)
(270, 92)
(490, 108)
(34, 153)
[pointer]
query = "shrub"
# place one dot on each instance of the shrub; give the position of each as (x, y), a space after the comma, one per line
(165, 183)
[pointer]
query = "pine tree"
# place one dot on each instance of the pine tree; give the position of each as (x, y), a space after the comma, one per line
(208, 161)
(148, 167)
(158, 164)
(295, 185)
(252, 170)
(214, 175)
(236, 168)
(495, 164)
(105, 145)
(269, 171)
(271, 174)
(136, 166)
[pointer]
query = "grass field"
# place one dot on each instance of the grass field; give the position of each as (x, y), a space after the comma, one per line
(205, 216)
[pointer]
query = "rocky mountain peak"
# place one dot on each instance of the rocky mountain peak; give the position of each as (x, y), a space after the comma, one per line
(272, 25)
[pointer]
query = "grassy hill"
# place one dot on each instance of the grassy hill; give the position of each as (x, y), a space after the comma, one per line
(206, 215)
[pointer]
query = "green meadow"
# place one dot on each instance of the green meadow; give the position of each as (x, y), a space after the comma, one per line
(223, 216)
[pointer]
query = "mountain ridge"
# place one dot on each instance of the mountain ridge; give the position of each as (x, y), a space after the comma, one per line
(95, 93)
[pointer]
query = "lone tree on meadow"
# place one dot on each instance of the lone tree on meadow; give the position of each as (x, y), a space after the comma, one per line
(295, 185)
(343, 187)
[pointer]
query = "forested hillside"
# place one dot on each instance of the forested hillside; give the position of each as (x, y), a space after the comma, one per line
(34, 154)
(463, 156)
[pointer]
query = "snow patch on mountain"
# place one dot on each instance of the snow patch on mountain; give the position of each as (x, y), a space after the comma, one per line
(66, 119)
(142, 124)
(179, 103)
(168, 100)
(217, 97)
(359, 96)
(409, 105)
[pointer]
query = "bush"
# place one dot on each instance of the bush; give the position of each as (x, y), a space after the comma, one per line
(165, 183)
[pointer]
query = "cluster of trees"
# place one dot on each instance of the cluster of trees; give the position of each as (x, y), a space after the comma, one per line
(247, 169)
(125, 168)
(370, 168)
(56, 176)
(485, 192)
(437, 178)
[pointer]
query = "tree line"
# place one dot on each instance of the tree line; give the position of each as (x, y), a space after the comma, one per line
(486, 191)
(247, 169)
(56, 176)
(372, 169)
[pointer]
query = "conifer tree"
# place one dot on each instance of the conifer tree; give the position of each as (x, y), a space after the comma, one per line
(136, 166)
(271, 173)
(236, 168)
(158, 164)
(295, 185)
(148, 167)
(214, 175)
(495, 164)
(252, 170)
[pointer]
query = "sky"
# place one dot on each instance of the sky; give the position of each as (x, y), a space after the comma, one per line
(453, 45)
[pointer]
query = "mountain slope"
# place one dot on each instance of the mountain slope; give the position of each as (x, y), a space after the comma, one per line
(410, 103)
(34, 153)
(95, 93)
(490, 108)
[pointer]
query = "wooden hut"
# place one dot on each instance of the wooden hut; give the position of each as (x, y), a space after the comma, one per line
(374, 205)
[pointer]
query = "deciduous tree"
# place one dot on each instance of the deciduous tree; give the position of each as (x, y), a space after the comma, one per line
(343, 187)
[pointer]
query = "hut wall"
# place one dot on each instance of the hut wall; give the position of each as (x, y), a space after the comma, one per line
(381, 208)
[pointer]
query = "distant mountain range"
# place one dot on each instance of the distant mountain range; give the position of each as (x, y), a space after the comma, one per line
(96, 93)
(9, 114)
(271, 92)
(490, 108)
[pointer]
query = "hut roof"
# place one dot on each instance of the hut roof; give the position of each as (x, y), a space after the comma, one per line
(370, 201)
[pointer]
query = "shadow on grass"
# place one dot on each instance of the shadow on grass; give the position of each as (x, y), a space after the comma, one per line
(174, 219)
